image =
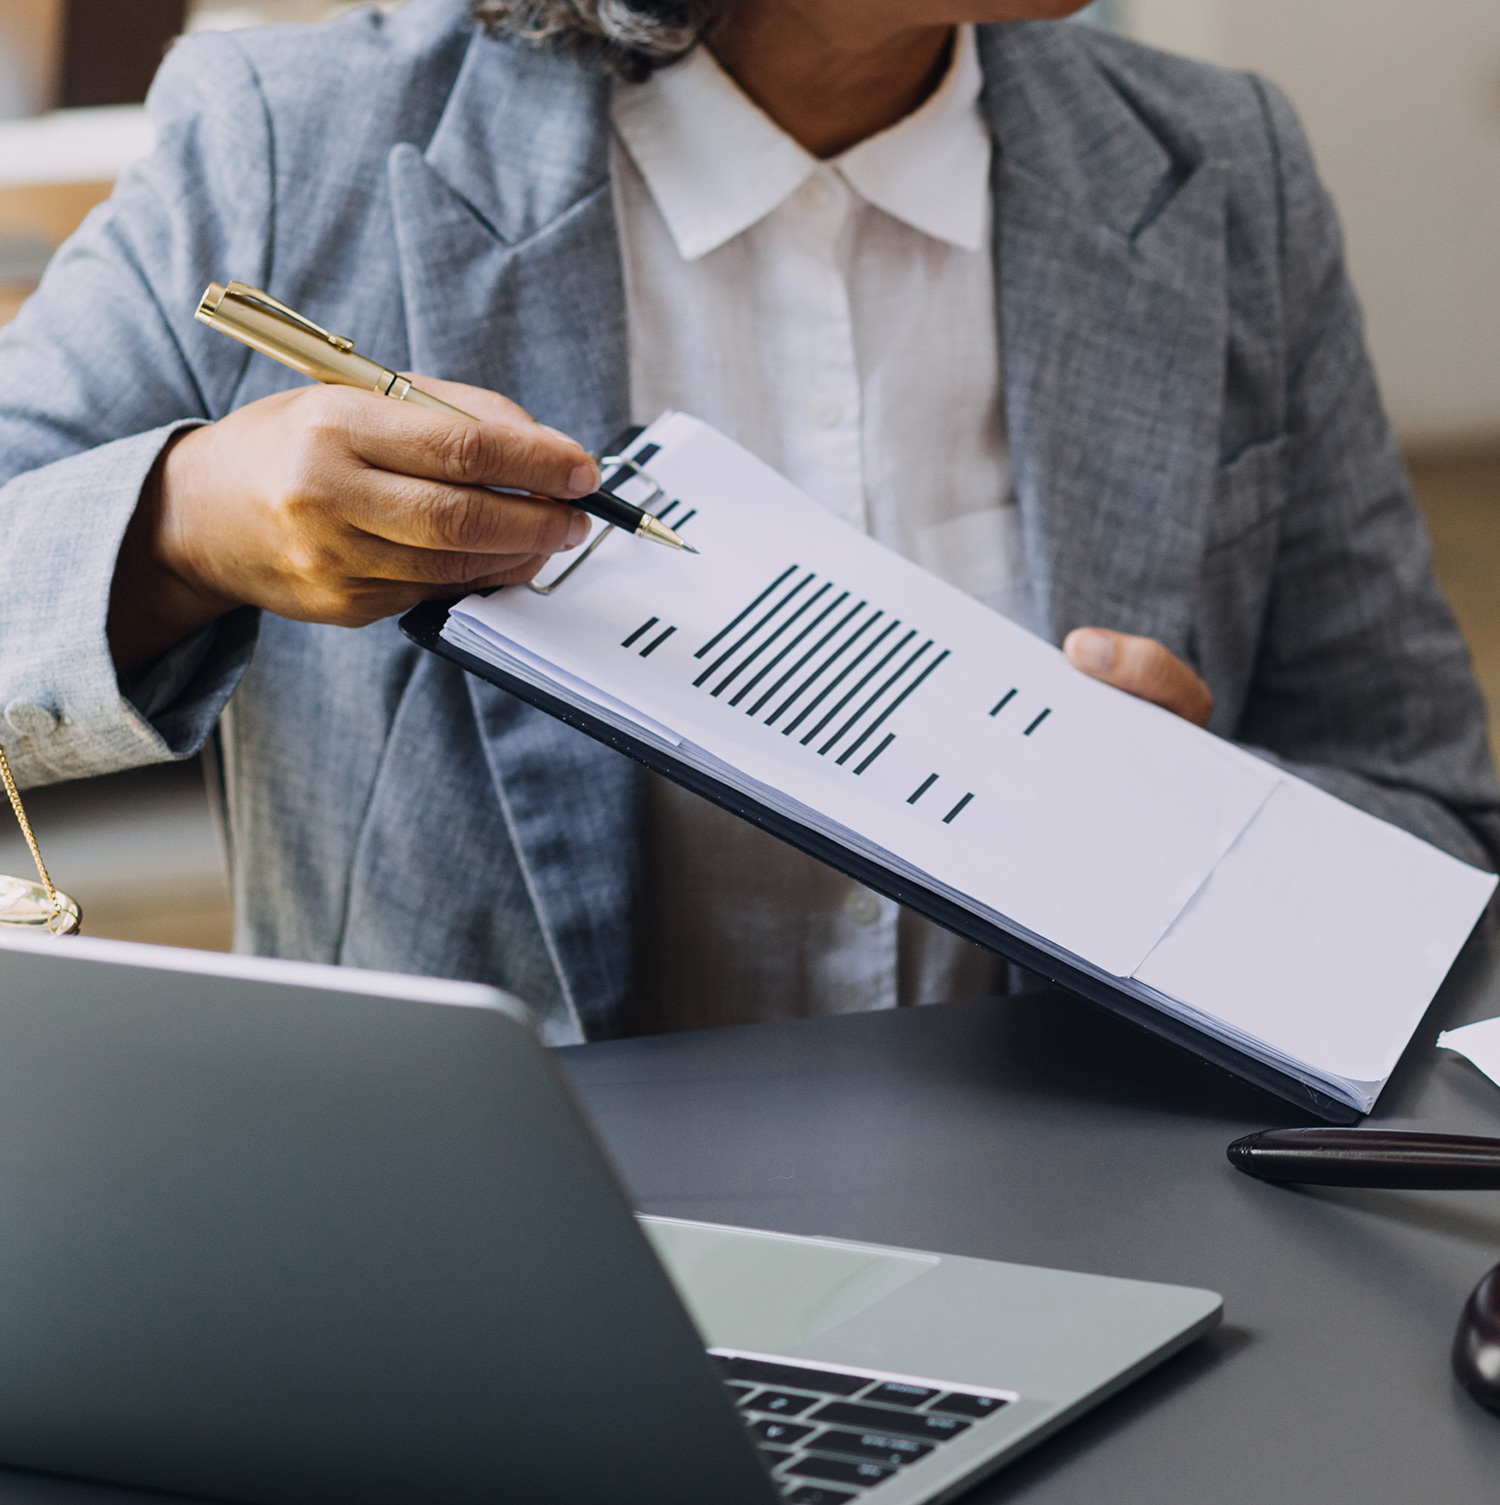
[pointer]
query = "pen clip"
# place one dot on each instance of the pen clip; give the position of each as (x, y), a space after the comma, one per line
(253, 295)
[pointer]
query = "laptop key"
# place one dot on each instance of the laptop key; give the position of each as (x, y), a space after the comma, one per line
(825, 1381)
(960, 1404)
(785, 1433)
(779, 1403)
(742, 1393)
(881, 1419)
(817, 1494)
(840, 1471)
(878, 1446)
(893, 1393)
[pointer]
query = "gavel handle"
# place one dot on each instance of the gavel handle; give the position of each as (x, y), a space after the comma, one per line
(1382, 1158)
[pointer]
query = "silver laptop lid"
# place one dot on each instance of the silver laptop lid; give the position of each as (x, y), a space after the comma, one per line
(280, 1233)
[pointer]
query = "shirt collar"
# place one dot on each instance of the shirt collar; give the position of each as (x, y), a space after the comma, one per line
(716, 163)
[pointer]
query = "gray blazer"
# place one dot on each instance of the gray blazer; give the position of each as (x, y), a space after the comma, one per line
(1199, 450)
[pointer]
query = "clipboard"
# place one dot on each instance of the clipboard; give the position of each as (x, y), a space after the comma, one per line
(424, 626)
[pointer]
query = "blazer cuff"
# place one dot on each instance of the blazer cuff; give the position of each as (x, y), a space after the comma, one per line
(63, 711)
(183, 692)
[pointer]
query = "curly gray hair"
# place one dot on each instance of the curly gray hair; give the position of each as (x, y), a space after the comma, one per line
(632, 38)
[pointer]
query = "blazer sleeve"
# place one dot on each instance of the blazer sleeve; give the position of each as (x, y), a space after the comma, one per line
(95, 378)
(1362, 683)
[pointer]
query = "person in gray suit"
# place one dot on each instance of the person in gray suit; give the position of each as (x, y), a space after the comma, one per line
(1173, 400)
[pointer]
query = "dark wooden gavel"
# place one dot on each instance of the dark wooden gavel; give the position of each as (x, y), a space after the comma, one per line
(1395, 1161)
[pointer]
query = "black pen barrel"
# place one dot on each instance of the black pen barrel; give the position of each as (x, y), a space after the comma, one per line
(1386, 1159)
(610, 509)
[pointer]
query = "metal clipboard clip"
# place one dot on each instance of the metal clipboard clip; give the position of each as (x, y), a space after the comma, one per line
(621, 465)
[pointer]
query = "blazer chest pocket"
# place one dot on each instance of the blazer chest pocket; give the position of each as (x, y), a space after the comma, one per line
(1249, 490)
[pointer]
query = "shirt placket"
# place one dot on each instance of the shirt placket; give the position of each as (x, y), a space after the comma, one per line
(861, 967)
(817, 374)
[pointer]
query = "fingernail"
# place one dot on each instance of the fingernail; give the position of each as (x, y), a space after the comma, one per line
(585, 478)
(578, 530)
(1093, 652)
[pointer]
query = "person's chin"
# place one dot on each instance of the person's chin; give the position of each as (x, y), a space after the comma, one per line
(1024, 10)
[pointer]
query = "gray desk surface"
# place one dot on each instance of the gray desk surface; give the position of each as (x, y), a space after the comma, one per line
(1039, 1130)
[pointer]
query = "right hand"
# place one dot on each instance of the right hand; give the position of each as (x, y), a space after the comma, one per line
(328, 504)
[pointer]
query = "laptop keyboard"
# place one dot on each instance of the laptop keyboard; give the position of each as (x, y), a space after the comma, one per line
(831, 1434)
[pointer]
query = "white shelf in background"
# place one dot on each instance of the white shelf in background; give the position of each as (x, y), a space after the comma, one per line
(73, 146)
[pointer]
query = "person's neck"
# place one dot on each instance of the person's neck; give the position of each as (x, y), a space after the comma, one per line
(827, 85)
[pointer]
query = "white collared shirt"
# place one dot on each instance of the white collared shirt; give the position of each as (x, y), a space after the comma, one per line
(838, 319)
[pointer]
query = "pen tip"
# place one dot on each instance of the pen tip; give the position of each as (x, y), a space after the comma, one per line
(690, 549)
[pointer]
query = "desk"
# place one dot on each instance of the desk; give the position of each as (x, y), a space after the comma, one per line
(1038, 1129)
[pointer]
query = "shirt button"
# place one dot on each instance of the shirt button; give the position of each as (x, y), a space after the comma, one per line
(30, 720)
(826, 410)
(862, 907)
(815, 195)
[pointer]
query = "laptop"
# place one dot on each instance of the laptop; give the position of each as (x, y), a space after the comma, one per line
(287, 1234)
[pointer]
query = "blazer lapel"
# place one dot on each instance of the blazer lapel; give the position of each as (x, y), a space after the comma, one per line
(1112, 282)
(510, 262)
(510, 270)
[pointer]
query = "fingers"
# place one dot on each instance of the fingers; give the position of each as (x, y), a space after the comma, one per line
(509, 449)
(412, 476)
(489, 406)
(356, 601)
(421, 514)
(371, 559)
(1141, 667)
(339, 506)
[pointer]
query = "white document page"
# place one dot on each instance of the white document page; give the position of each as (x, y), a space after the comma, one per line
(1479, 1043)
(905, 715)
(805, 665)
(1322, 935)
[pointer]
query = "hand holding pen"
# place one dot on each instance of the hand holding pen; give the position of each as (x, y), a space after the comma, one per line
(263, 323)
(325, 505)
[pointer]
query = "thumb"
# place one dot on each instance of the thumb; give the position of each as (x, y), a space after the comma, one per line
(1141, 667)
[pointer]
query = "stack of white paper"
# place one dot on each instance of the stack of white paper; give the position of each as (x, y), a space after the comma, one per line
(808, 667)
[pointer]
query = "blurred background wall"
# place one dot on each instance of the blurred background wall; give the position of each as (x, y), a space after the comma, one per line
(29, 37)
(1401, 102)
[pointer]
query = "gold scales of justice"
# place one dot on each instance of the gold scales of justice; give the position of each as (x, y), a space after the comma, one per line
(24, 904)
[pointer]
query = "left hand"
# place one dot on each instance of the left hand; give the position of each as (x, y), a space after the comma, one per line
(1140, 667)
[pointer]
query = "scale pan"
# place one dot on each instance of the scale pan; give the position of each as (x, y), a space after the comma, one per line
(25, 906)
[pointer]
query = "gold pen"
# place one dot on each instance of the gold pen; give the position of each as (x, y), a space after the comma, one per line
(258, 320)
